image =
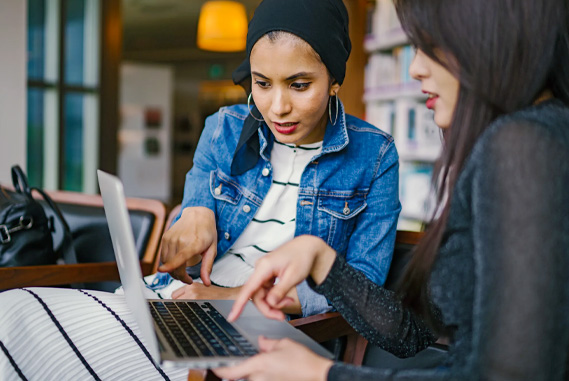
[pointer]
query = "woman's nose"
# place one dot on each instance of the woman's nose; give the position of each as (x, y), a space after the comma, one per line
(418, 70)
(281, 103)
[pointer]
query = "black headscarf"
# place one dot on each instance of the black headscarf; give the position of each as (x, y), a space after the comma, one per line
(323, 24)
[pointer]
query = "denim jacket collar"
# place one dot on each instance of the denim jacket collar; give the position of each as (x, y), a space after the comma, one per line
(253, 145)
(336, 136)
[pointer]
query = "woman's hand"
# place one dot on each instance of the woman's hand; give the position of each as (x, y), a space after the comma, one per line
(291, 264)
(279, 360)
(193, 238)
(197, 290)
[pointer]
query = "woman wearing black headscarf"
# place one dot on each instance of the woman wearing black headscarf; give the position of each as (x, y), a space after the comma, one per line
(294, 158)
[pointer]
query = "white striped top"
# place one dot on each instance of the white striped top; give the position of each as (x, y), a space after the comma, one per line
(274, 223)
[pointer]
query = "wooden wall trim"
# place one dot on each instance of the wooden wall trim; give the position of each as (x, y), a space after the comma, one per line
(352, 90)
(109, 116)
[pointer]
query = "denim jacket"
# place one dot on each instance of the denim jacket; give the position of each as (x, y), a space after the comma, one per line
(348, 194)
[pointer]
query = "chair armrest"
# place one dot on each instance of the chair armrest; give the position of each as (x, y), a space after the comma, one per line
(331, 325)
(323, 327)
(408, 237)
(52, 275)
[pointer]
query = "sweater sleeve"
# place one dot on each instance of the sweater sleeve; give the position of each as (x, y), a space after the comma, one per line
(378, 315)
(375, 312)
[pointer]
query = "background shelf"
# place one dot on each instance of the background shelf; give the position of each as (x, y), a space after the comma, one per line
(387, 41)
(421, 156)
(391, 92)
(395, 103)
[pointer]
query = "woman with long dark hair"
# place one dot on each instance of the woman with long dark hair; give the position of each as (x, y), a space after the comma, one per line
(492, 272)
(288, 163)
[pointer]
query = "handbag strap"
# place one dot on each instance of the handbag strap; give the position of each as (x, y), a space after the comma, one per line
(69, 254)
(20, 181)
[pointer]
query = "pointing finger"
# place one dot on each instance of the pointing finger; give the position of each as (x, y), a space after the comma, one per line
(254, 283)
(207, 263)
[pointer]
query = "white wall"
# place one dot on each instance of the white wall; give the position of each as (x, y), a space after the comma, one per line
(13, 66)
(145, 174)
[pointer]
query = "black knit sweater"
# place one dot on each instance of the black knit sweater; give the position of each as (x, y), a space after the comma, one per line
(501, 279)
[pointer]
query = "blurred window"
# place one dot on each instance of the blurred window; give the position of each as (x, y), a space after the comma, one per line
(63, 93)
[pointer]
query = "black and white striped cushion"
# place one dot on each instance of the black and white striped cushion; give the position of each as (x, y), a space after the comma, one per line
(65, 334)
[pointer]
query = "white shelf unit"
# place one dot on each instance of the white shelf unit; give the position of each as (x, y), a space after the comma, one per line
(396, 104)
(390, 92)
(419, 155)
(386, 41)
(413, 216)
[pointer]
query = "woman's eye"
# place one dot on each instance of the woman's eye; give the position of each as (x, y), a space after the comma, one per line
(300, 85)
(262, 84)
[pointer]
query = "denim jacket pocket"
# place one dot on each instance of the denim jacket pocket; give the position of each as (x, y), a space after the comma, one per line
(222, 188)
(338, 212)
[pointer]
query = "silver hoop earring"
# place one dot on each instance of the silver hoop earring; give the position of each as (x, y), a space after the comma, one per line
(330, 109)
(249, 107)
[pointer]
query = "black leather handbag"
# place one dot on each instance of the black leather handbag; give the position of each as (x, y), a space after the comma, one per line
(26, 233)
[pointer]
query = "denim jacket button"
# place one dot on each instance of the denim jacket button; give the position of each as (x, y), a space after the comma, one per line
(346, 211)
(217, 191)
(265, 172)
(246, 208)
(227, 236)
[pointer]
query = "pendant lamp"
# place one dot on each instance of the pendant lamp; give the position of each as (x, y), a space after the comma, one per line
(222, 26)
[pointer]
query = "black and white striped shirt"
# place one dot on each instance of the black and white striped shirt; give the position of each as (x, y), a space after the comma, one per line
(274, 223)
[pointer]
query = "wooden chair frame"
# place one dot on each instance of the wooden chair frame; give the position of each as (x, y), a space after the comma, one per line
(172, 215)
(51, 275)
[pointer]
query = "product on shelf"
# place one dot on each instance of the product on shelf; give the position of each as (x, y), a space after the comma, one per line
(396, 104)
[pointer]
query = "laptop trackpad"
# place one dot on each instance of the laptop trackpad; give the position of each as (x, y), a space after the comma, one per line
(252, 324)
(253, 327)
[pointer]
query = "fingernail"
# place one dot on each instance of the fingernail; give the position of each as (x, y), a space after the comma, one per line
(271, 299)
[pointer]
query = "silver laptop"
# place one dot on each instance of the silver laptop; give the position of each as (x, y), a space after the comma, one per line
(185, 333)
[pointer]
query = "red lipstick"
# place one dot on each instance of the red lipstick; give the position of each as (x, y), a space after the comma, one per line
(285, 128)
(430, 103)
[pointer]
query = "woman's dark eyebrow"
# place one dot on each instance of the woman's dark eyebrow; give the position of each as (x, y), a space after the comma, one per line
(259, 75)
(294, 76)
(299, 75)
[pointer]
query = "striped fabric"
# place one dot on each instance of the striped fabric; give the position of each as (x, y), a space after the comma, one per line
(64, 334)
(274, 223)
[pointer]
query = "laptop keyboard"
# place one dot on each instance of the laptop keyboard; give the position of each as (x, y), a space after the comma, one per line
(195, 331)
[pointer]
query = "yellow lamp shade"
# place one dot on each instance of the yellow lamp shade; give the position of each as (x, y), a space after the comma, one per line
(222, 26)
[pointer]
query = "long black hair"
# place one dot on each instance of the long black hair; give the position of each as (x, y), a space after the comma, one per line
(505, 53)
